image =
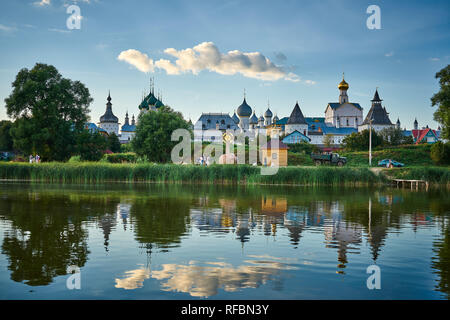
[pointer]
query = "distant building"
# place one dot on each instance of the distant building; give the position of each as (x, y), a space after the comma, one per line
(425, 136)
(108, 121)
(128, 130)
(270, 154)
(296, 122)
(377, 115)
(344, 114)
(295, 137)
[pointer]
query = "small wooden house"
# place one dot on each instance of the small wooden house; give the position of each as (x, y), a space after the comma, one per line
(273, 156)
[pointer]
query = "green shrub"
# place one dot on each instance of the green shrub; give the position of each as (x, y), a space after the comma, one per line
(75, 159)
(129, 157)
(440, 153)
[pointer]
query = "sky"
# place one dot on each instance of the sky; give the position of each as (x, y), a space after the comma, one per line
(204, 54)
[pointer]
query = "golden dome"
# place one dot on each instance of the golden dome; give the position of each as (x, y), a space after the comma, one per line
(343, 85)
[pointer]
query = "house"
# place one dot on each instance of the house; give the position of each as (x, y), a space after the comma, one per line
(425, 136)
(295, 137)
(271, 154)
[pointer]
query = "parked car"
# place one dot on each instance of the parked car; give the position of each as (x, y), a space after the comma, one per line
(6, 156)
(387, 162)
(332, 158)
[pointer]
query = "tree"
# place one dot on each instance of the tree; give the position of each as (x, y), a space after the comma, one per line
(442, 100)
(440, 153)
(303, 147)
(358, 141)
(113, 143)
(154, 131)
(90, 145)
(49, 111)
(393, 136)
(6, 141)
(328, 140)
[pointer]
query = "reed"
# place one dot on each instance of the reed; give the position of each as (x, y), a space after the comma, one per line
(95, 172)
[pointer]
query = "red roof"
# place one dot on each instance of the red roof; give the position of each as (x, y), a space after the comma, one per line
(281, 146)
(420, 134)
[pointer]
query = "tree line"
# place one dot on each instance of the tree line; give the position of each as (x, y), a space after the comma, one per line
(49, 115)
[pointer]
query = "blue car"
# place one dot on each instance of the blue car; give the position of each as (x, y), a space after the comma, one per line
(385, 163)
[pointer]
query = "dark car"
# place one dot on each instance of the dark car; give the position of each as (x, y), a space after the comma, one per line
(393, 163)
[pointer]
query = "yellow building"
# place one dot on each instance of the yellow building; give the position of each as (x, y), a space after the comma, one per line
(274, 156)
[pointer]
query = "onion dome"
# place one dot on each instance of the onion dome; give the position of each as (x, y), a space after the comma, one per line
(261, 118)
(343, 85)
(268, 113)
(151, 99)
(109, 115)
(254, 119)
(235, 117)
(244, 110)
(159, 104)
(143, 105)
(276, 119)
(415, 121)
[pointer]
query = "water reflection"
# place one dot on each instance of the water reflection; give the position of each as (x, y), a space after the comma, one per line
(206, 279)
(45, 229)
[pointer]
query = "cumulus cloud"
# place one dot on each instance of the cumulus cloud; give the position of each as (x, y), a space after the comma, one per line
(206, 56)
(137, 59)
(280, 56)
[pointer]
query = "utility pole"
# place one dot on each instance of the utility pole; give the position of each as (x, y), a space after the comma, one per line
(370, 142)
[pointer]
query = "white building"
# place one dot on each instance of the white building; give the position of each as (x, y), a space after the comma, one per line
(377, 115)
(128, 130)
(109, 122)
(344, 114)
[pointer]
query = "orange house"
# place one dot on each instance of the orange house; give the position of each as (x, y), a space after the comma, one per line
(272, 155)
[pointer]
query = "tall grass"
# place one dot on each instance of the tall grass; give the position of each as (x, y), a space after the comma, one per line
(93, 172)
(439, 175)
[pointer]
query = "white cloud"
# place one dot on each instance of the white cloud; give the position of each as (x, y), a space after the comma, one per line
(389, 54)
(6, 28)
(43, 3)
(435, 59)
(310, 82)
(137, 59)
(59, 30)
(206, 56)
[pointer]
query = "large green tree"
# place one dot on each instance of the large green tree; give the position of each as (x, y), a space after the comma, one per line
(442, 101)
(113, 143)
(359, 141)
(90, 146)
(49, 111)
(154, 132)
(6, 141)
(393, 136)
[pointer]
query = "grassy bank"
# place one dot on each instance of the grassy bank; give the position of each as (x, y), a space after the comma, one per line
(410, 155)
(440, 175)
(86, 172)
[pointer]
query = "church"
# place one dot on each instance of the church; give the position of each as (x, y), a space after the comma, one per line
(340, 119)
(109, 123)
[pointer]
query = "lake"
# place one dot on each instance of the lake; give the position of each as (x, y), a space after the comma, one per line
(140, 241)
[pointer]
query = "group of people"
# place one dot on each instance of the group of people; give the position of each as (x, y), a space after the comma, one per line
(35, 159)
(204, 161)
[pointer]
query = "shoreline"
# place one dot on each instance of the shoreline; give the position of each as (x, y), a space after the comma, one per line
(95, 172)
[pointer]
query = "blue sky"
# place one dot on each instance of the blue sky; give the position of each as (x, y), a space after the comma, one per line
(311, 42)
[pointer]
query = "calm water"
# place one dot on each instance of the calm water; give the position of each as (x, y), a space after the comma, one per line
(192, 242)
